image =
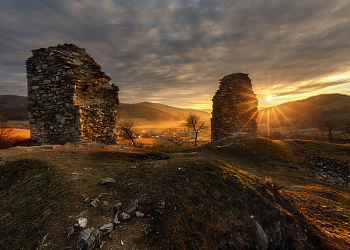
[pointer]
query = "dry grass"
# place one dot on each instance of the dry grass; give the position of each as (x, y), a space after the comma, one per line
(208, 195)
(285, 163)
(327, 208)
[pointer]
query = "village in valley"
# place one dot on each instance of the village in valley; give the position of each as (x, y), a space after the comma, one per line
(155, 137)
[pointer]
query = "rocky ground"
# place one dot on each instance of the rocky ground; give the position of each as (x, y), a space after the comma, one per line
(337, 172)
(121, 198)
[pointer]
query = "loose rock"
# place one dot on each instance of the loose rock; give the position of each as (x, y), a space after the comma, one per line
(105, 181)
(80, 223)
(117, 207)
(95, 203)
(133, 205)
(88, 239)
(263, 241)
(125, 216)
(107, 228)
(116, 221)
(139, 214)
(70, 231)
(164, 157)
(148, 229)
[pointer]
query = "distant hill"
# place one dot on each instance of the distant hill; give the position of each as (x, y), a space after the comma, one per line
(207, 110)
(306, 113)
(15, 108)
(157, 112)
(300, 114)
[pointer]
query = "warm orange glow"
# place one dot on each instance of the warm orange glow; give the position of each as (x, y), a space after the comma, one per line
(269, 98)
(274, 112)
(285, 117)
(268, 123)
(261, 117)
(251, 118)
(245, 111)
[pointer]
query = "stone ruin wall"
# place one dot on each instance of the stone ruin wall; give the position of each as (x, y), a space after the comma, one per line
(234, 107)
(70, 98)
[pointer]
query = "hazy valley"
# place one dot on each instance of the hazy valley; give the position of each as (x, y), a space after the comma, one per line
(300, 119)
(236, 193)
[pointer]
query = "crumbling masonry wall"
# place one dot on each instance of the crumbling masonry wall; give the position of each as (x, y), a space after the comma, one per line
(70, 98)
(234, 107)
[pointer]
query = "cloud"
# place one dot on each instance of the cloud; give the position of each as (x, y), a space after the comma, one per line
(312, 87)
(175, 52)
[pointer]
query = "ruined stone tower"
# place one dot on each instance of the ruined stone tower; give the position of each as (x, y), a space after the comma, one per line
(70, 98)
(234, 107)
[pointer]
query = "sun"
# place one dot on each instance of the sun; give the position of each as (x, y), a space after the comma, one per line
(269, 98)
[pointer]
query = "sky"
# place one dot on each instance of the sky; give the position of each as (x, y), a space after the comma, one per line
(175, 52)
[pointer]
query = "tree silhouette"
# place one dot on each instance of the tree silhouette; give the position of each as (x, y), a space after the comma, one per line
(126, 130)
(195, 123)
(328, 125)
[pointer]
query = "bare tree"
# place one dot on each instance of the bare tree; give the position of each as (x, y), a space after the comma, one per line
(6, 133)
(126, 131)
(344, 135)
(195, 123)
(328, 125)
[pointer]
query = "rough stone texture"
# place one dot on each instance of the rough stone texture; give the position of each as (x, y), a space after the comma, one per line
(105, 181)
(80, 223)
(107, 228)
(263, 242)
(69, 97)
(125, 216)
(234, 107)
(133, 205)
(88, 239)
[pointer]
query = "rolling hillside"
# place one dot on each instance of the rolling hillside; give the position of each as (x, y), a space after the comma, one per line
(301, 114)
(306, 113)
(157, 112)
(15, 108)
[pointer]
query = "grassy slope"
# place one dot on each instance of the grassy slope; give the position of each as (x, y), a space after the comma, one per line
(306, 112)
(209, 203)
(323, 204)
(28, 195)
(209, 199)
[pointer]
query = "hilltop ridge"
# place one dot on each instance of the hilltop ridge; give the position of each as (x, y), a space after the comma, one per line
(155, 111)
(307, 112)
(300, 114)
(15, 108)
